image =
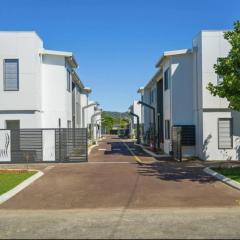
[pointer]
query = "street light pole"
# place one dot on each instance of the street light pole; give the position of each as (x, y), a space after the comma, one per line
(138, 127)
(154, 122)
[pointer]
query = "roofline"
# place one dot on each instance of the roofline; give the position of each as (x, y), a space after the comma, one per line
(78, 80)
(31, 31)
(69, 56)
(172, 53)
(140, 90)
(87, 90)
(153, 79)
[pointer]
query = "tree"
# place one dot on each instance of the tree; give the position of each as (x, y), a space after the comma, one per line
(107, 122)
(228, 69)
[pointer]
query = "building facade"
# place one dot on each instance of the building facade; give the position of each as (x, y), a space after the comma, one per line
(39, 88)
(182, 99)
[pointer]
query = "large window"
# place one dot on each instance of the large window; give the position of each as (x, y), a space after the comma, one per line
(167, 129)
(166, 79)
(68, 80)
(11, 75)
(225, 136)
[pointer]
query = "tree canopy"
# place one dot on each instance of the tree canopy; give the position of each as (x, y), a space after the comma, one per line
(228, 69)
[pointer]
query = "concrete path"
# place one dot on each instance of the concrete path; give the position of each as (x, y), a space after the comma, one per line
(112, 196)
(162, 223)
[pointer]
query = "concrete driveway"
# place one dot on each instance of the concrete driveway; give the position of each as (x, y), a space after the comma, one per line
(112, 196)
(113, 179)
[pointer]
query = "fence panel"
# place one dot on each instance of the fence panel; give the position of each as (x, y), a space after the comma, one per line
(43, 145)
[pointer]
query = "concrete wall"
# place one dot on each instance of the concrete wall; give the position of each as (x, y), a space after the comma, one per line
(56, 100)
(24, 46)
(208, 47)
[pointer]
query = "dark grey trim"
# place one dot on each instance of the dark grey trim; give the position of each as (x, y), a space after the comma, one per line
(18, 111)
(217, 110)
(231, 131)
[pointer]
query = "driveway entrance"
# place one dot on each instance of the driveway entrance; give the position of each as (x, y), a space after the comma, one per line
(112, 178)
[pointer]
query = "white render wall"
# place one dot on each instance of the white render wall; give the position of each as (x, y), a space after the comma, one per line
(56, 100)
(24, 46)
(137, 110)
(208, 47)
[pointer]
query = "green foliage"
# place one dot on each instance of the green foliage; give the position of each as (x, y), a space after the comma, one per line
(111, 119)
(229, 69)
(11, 180)
(107, 121)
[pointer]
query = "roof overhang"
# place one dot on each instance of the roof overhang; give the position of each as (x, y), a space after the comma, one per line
(76, 79)
(68, 55)
(87, 90)
(157, 77)
(140, 90)
(172, 53)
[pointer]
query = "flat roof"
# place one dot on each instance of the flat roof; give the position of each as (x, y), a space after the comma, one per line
(69, 56)
(172, 53)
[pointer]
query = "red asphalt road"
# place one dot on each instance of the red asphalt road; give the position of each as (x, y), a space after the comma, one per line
(113, 179)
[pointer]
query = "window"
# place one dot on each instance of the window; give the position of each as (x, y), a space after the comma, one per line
(219, 77)
(225, 136)
(166, 79)
(167, 129)
(12, 124)
(11, 75)
(151, 96)
(68, 81)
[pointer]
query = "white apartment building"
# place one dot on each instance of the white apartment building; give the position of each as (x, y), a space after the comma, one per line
(39, 88)
(183, 100)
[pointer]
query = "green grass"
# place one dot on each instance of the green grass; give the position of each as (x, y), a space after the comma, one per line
(233, 173)
(11, 180)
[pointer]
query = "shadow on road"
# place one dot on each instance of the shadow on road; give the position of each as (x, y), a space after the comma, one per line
(175, 171)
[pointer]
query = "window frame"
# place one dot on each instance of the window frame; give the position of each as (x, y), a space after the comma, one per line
(68, 80)
(167, 129)
(166, 73)
(4, 76)
(231, 133)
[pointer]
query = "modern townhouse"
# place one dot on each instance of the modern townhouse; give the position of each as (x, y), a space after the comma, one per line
(211, 129)
(217, 127)
(42, 95)
(39, 88)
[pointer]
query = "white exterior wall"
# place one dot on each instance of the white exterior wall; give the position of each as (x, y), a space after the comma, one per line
(209, 46)
(56, 100)
(137, 110)
(24, 46)
(84, 102)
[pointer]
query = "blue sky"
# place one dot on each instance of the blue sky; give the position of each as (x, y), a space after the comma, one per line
(117, 42)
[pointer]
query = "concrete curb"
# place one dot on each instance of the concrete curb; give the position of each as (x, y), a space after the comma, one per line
(151, 153)
(4, 197)
(91, 148)
(222, 178)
